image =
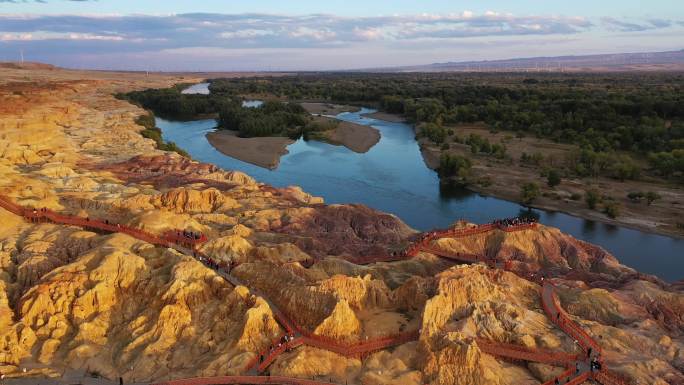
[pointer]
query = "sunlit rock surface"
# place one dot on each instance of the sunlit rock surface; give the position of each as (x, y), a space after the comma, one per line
(117, 306)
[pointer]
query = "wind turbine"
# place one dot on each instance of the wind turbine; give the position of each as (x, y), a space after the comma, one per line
(21, 53)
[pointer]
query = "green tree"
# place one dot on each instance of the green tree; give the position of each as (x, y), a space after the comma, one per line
(435, 132)
(611, 209)
(624, 167)
(529, 192)
(553, 179)
(454, 165)
(592, 198)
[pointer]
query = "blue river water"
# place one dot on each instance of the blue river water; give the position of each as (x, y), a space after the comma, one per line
(392, 177)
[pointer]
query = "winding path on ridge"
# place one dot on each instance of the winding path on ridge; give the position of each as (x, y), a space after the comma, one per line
(578, 366)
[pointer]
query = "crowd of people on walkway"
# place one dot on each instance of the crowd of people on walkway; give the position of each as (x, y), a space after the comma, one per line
(284, 340)
(514, 221)
(208, 261)
(191, 235)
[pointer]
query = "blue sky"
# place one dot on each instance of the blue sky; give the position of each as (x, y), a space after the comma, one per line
(627, 8)
(332, 34)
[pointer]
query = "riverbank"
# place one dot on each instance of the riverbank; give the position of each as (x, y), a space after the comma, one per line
(261, 151)
(502, 178)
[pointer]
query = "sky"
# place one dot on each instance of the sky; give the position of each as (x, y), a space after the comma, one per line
(239, 35)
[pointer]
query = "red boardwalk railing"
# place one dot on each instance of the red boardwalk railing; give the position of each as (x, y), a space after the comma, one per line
(175, 237)
(11, 206)
(245, 380)
(191, 240)
(556, 313)
(254, 362)
(561, 378)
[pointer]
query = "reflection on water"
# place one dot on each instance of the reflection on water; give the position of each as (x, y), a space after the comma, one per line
(449, 192)
(588, 226)
(392, 177)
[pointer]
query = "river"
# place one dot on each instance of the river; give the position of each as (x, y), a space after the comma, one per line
(392, 177)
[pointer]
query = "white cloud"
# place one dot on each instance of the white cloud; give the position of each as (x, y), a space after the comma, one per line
(247, 34)
(88, 36)
(15, 36)
(315, 34)
(368, 33)
(106, 36)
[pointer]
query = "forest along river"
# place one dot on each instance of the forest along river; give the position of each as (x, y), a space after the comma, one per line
(393, 177)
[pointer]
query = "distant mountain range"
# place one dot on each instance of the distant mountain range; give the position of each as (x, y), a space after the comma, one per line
(642, 61)
(645, 61)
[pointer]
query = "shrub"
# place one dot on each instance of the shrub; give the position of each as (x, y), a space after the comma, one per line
(532, 159)
(651, 197)
(498, 150)
(636, 196)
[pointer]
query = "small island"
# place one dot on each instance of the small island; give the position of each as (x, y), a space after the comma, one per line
(356, 137)
(256, 133)
(260, 135)
(261, 151)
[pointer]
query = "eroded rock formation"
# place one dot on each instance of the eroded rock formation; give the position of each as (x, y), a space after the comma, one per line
(112, 304)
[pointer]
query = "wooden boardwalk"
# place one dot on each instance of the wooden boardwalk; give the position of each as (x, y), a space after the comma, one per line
(578, 366)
